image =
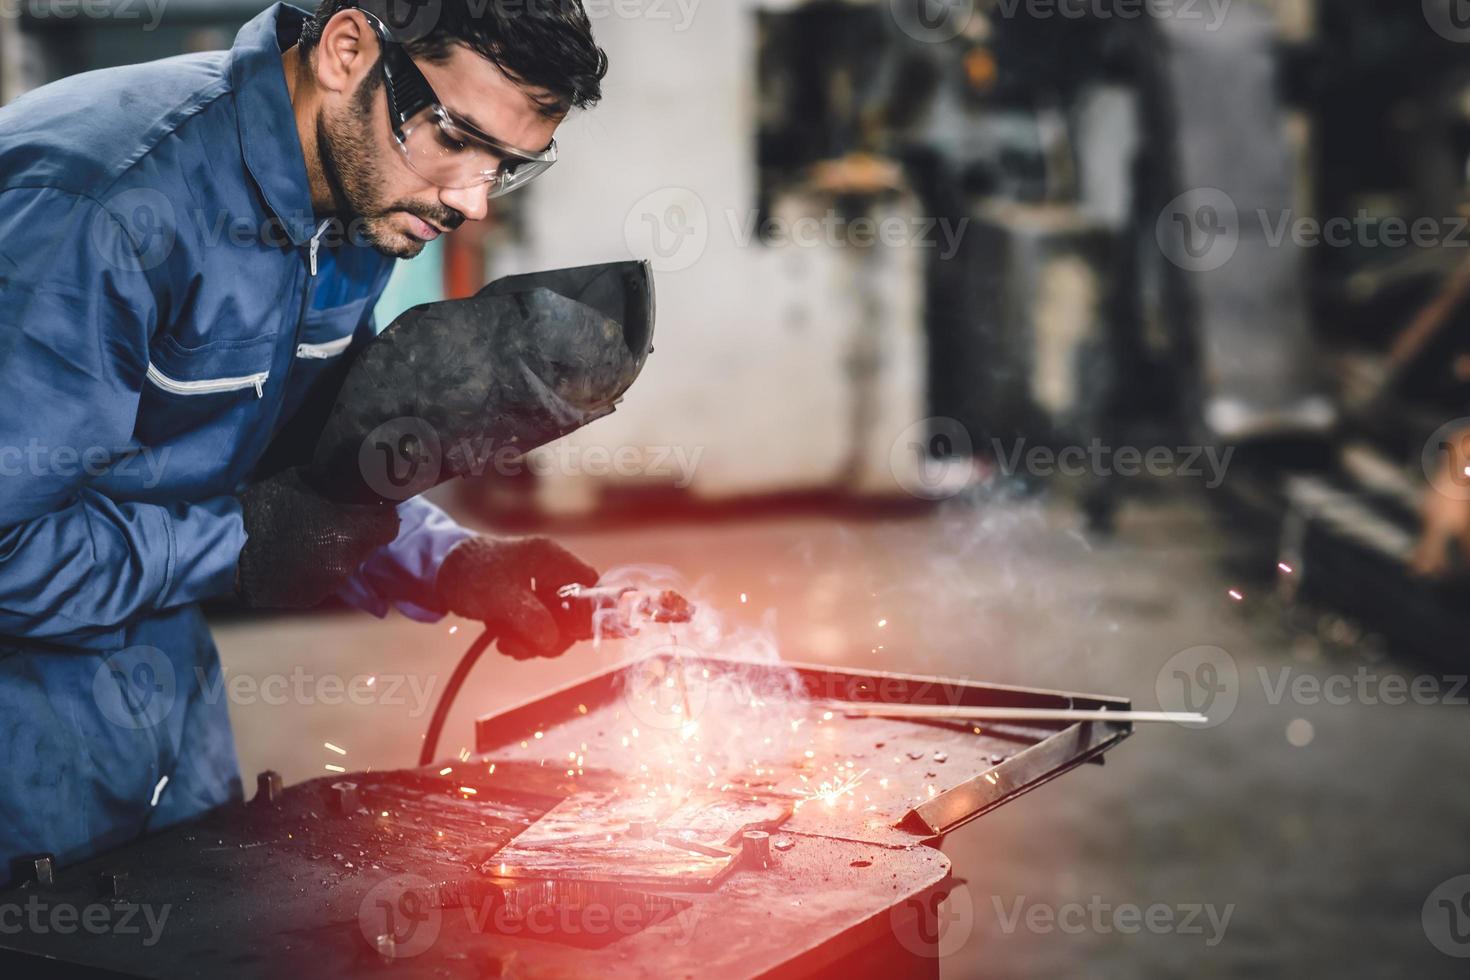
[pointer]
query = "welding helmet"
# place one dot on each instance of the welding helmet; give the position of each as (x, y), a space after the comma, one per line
(461, 387)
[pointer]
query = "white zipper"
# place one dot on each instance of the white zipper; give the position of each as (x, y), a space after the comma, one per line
(324, 351)
(211, 386)
(316, 244)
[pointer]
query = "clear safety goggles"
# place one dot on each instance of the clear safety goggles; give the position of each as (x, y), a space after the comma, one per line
(439, 146)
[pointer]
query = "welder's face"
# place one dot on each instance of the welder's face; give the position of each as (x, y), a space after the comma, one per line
(396, 210)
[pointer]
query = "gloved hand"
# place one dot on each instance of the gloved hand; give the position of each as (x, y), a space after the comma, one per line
(510, 585)
(301, 547)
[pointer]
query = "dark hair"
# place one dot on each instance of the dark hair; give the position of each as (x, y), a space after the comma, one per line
(543, 44)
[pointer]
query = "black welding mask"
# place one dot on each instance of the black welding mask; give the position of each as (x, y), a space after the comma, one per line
(465, 387)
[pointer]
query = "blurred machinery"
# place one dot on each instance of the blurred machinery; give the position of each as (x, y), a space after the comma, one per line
(1139, 266)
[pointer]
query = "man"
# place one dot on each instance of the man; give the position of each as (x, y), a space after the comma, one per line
(189, 251)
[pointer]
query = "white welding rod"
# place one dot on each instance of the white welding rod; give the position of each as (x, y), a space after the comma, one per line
(939, 712)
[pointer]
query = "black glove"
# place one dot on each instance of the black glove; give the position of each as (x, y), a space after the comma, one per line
(301, 547)
(510, 585)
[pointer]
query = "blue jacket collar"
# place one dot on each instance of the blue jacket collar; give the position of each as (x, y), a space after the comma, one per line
(268, 138)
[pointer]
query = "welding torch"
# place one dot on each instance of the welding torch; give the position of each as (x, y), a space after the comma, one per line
(629, 609)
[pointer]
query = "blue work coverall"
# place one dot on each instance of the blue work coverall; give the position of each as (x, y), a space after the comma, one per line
(167, 303)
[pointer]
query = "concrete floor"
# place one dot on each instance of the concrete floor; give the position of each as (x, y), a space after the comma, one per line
(1322, 855)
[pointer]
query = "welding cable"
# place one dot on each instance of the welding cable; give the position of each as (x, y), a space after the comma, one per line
(451, 690)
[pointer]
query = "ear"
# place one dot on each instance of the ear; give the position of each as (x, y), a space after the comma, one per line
(347, 51)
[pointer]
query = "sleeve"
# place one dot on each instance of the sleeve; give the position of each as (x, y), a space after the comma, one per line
(403, 573)
(79, 312)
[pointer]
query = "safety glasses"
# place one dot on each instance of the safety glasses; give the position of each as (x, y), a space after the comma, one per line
(437, 145)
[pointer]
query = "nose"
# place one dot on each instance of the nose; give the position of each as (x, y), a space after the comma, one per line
(472, 202)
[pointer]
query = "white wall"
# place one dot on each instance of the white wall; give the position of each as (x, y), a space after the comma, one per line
(753, 341)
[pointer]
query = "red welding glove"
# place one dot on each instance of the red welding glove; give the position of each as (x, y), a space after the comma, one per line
(510, 585)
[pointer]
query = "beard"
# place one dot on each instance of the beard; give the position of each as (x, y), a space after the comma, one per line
(353, 172)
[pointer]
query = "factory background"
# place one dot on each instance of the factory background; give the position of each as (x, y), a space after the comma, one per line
(912, 258)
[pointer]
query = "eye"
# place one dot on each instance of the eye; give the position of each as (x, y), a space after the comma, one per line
(451, 139)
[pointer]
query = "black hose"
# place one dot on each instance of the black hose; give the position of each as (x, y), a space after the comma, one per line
(451, 690)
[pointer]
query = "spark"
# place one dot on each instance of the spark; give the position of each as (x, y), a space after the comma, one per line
(1284, 567)
(826, 716)
(385, 813)
(492, 768)
(158, 790)
(581, 709)
(830, 791)
(1235, 594)
(743, 597)
(882, 623)
(453, 630)
(540, 734)
(372, 680)
(469, 791)
(446, 770)
(331, 768)
(335, 748)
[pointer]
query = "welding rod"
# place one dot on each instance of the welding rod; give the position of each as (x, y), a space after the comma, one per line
(937, 712)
